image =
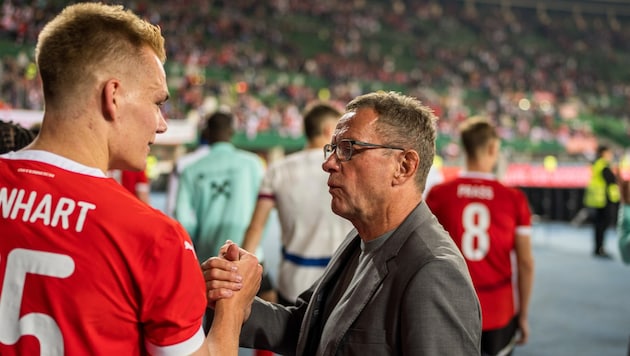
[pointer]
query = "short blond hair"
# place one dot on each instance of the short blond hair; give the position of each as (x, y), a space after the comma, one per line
(86, 38)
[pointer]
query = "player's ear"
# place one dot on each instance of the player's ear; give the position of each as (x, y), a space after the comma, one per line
(109, 99)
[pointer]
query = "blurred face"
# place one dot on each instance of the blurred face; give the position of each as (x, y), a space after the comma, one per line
(141, 97)
(608, 155)
(359, 186)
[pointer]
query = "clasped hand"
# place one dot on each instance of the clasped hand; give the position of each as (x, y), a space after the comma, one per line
(234, 276)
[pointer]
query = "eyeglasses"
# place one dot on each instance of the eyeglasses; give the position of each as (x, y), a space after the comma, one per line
(345, 148)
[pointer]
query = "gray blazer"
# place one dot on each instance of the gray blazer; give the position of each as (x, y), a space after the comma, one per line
(416, 299)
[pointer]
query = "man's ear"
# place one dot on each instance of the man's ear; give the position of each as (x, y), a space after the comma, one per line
(109, 99)
(407, 166)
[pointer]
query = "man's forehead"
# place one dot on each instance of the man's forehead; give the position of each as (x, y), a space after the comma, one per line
(361, 120)
(347, 116)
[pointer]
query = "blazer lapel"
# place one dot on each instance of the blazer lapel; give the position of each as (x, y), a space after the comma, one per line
(327, 281)
(375, 272)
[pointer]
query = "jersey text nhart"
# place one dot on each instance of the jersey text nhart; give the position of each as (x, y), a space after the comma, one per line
(30, 207)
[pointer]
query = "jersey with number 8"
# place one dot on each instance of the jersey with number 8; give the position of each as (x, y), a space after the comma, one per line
(86, 268)
(484, 217)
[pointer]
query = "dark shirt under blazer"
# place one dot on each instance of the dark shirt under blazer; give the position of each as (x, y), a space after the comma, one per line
(416, 299)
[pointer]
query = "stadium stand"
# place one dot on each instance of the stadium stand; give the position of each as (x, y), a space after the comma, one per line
(552, 77)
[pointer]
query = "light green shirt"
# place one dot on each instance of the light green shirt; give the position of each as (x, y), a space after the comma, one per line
(216, 197)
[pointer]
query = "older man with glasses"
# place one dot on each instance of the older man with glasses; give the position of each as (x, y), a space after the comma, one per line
(398, 285)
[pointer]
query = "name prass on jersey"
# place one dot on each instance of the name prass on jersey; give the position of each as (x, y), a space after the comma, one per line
(475, 191)
(33, 206)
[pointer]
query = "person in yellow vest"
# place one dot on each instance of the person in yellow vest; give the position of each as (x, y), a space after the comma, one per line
(601, 195)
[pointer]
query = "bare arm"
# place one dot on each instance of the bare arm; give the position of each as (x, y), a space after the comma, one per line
(256, 227)
(525, 265)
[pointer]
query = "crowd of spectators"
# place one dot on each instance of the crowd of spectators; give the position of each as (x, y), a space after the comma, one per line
(534, 72)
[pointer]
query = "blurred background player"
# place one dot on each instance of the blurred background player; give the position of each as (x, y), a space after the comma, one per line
(14, 137)
(489, 223)
(623, 223)
(216, 195)
(434, 178)
(601, 196)
(179, 165)
(136, 182)
(296, 187)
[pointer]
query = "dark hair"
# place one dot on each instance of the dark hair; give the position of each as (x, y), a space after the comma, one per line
(315, 116)
(219, 127)
(14, 137)
(475, 133)
(601, 149)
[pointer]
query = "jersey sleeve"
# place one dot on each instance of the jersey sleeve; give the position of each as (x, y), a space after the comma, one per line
(174, 300)
(267, 187)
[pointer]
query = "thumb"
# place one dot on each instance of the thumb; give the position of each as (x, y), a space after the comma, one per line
(232, 253)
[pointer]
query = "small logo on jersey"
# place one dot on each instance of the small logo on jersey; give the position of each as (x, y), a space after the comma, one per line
(189, 246)
(36, 172)
(220, 188)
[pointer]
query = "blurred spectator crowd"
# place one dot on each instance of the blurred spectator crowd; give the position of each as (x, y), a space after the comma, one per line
(537, 73)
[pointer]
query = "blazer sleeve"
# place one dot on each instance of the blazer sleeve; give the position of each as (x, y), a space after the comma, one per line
(440, 312)
(273, 327)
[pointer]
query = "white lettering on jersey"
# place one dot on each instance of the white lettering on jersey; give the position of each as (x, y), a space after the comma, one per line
(476, 222)
(475, 191)
(16, 204)
(189, 246)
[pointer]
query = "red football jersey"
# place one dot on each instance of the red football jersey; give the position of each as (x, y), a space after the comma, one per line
(85, 268)
(133, 181)
(483, 217)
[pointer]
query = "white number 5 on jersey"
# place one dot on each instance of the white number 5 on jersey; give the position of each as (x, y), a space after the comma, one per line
(476, 221)
(43, 327)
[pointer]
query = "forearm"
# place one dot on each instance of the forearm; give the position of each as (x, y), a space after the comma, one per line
(256, 227)
(223, 337)
(252, 238)
(525, 286)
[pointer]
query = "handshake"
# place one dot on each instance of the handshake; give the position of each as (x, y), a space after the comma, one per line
(232, 279)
